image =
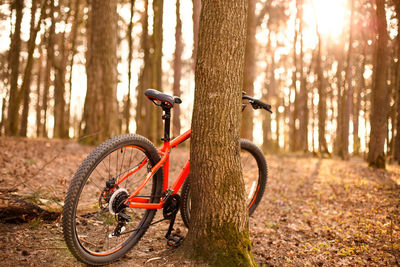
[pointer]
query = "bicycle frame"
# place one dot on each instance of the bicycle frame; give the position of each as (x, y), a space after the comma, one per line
(133, 200)
(143, 203)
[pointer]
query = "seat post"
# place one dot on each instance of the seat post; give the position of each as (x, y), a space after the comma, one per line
(167, 122)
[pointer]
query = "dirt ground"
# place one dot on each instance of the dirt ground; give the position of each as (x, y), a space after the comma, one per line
(315, 212)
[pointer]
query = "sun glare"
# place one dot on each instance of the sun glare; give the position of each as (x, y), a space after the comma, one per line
(331, 15)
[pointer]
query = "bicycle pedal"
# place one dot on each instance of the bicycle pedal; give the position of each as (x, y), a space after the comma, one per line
(174, 240)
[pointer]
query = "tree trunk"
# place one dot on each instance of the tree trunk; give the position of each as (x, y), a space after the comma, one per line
(249, 69)
(143, 107)
(177, 71)
(340, 105)
(15, 48)
(347, 97)
(380, 95)
(156, 124)
(127, 105)
(38, 92)
(72, 53)
(47, 75)
(293, 131)
(268, 94)
(196, 19)
(26, 83)
(303, 94)
(396, 146)
(100, 111)
(322, 145)
(219, 228)
(25, 93)
(61, 117)
(357, 107)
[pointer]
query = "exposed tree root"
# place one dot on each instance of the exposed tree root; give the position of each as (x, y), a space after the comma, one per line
(15, 210)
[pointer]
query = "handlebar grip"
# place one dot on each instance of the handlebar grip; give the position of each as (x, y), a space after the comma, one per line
(256, 103)
(262, 104)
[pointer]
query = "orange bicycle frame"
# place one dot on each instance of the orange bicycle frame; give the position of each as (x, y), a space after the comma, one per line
(143, 203)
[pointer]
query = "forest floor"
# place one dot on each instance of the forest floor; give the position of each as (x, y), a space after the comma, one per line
(315, 212)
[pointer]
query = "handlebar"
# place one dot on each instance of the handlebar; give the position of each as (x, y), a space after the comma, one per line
(257, 104)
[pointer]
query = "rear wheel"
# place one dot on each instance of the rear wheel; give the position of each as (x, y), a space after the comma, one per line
(98, 227)
(255, 174)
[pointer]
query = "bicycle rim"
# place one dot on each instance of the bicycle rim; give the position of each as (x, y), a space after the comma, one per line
(95, 225)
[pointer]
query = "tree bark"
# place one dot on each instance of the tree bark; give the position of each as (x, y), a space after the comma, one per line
(100, 111)
(396, 146)
(293, 127)
(47, 75)
(196, 19)
(340, 103)
(27, 89)
(156, 124)
(347, 97)
(303, 94)
(61, 117)
(143, 108)
(15, 48)
(38, 92)
(219, 229)
(269, 94)
(176, 122)
(249, 72)
(72, 52)
(127, 106)
(322, 145)
(380, 94)
(357, 107)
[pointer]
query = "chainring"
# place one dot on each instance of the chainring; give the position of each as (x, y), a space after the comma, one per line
(171, 206)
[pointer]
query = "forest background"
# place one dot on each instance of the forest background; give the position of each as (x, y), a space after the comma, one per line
(330, 69)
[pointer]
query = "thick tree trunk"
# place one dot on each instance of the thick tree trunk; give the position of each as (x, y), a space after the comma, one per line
(100, 111)
(249, 69)
(176, 122)
(396, 151)
(219, 224)
(380, 94)
(196, 19)
(15, 48)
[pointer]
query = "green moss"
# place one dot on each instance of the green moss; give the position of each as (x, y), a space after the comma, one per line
(224, 246)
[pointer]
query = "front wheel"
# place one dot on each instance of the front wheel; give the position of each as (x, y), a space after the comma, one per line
(98, 227)
(255, 174)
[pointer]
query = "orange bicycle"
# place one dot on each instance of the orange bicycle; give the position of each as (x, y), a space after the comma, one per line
(115, 193)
